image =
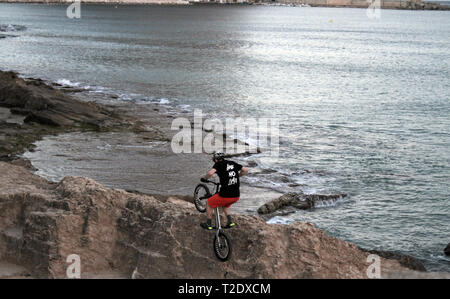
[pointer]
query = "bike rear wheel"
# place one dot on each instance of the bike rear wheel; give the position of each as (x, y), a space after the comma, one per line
(222, 246)
(201, 195)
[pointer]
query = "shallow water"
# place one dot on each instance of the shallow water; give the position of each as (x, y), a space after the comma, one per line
(364, 104)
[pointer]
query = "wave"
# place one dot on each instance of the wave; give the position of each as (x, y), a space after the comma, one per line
(12, 28)
(328, 201)
(280, 220)
(282, 179)
(109, 93)
(68, 83)
(163, 101)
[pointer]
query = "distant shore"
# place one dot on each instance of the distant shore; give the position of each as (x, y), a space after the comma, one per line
(384, 4)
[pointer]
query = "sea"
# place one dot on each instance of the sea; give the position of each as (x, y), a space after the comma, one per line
(363, 103)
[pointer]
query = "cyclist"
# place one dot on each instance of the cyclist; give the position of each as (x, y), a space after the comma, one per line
(229, 173)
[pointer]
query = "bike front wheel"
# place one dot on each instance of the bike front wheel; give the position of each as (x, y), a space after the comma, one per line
(201, 195)
(222, 246)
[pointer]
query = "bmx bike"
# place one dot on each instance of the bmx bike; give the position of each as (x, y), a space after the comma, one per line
(222, 243)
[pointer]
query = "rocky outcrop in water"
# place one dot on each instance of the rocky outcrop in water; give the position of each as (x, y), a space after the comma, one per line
(447, 249)
(43, 104)
(290, 202)
(122, 234)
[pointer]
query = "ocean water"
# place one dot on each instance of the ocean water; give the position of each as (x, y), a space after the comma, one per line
(363, 104)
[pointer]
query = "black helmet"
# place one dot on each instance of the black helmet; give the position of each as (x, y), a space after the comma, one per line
(219, 156)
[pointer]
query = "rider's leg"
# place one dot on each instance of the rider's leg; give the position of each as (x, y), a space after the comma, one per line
(209, 213)
(226, 209)
(227, 213)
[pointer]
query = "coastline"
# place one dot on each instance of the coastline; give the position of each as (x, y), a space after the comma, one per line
(391, 4)
(22, 188)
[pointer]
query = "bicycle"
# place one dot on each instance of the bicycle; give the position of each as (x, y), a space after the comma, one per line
(222, 243)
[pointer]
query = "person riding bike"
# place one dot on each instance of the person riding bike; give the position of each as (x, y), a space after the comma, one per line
(229, 173)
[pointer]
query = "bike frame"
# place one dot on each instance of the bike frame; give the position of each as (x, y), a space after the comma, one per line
(216, 210)
(218, 226)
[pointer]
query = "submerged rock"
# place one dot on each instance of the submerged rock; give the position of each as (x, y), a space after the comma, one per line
(296, 200)
(117, 233)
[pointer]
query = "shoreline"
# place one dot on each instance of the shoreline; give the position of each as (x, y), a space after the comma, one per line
(394, 5)
(15, 192)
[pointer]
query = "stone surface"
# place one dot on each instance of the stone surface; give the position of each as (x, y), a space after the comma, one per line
(122, 234)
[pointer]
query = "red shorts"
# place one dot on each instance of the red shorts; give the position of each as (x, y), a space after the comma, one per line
(218, 201)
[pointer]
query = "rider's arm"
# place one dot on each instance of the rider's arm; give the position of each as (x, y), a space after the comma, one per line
(244, 171)
(210, 173)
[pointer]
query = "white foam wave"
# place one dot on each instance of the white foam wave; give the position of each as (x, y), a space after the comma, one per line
(163, 101)
(280, 220)
(328, 203)
(66, 82)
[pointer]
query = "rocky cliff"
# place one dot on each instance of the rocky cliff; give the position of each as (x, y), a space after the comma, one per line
(117, 233)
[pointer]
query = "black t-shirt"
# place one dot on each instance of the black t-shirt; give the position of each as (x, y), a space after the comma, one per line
(228, 172)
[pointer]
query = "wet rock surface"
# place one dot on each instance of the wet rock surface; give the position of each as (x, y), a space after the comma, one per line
(117, 233)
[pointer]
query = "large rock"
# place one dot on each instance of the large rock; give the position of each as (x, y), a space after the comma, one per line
(285, 203)
(43, 104)
(447, 249)
(121, 234)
